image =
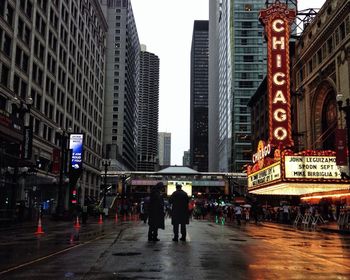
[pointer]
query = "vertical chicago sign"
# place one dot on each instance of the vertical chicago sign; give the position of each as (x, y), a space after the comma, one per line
(277, 20)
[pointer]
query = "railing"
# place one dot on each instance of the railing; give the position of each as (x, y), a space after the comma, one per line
(343, 220)
(308, 220)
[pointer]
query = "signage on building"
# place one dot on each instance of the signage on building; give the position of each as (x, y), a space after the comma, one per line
(340, 146)
(5, 118)
(56, 159)
(265, 176)
(27, 142)
(262, 151)
(311, 167)
(76, 141)
(277, 20)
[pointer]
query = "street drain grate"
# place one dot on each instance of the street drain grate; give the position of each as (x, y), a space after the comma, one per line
(239, 240)
(126, 254)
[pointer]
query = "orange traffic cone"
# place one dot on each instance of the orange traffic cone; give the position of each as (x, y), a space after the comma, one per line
(100, 220)
(116, 217)
(40, 229)
(77, 225)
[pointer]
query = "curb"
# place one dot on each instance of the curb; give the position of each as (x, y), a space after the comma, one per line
(334, 230)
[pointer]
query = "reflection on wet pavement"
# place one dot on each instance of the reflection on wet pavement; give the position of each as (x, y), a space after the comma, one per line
(212, 251)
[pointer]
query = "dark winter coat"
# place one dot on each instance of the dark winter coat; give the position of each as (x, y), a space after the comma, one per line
(179, 212)
(156, 210)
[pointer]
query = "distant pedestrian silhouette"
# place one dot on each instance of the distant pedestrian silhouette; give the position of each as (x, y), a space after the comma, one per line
(156, 212)
(179, 213)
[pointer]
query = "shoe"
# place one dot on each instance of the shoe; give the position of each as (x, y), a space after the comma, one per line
(155, 239)
(183, 239)
(175, 239)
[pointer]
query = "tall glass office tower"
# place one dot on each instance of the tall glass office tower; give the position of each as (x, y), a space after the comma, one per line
(240, 52)
(199, 97)
(249, 68)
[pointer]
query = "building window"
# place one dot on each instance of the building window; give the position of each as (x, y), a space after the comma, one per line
(342, 31)
(37, 74)
(26, 6)
(5, 43)
(19, 86)
(248, 7)
(40, 24)
(6, 12)
(330, 45)
(23, 31)
(22, 59)
(248, 58)
(5, 76)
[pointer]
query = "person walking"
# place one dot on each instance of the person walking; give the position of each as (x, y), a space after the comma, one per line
(179, 213)
(238, 213)
(155, 212)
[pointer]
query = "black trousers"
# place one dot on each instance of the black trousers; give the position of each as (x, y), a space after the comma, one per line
(176, 230)
(152, 232)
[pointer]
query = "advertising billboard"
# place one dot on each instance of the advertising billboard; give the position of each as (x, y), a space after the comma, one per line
(311, 167)
(76, 141)
(186, 187)
(265, 176)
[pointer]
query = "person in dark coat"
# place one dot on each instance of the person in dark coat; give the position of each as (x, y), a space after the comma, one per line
(155, 212)
(179, 212)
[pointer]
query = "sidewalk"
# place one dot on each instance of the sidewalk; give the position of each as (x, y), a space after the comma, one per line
(333, 227)
(328, 227)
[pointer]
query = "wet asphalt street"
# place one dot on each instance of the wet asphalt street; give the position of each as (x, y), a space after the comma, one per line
(212, 251)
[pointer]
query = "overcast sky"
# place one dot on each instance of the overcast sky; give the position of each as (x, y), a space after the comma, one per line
(165, 27)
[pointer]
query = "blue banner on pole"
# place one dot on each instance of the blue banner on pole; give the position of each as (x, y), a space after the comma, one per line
(76, 141)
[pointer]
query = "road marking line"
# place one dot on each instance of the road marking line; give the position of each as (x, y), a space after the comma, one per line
(49, 256)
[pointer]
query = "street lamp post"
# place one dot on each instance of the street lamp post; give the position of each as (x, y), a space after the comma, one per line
(63, 136)
(346, 110)
(21, 111)
(28, 130)
(106, 163)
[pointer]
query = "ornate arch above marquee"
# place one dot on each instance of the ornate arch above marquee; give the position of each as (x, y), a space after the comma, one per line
(324, 115)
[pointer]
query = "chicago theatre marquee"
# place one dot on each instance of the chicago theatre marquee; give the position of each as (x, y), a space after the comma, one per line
(276, 169)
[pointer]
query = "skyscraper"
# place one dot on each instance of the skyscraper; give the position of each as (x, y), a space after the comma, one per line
(213, 87)
(199, 96)
(186, 158)
(241, 66)
(148, 111)
(164, 148)
(122, 93)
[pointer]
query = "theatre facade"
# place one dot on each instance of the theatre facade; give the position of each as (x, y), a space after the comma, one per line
(305, 149)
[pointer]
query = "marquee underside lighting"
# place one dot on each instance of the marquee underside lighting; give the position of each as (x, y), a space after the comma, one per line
(298, 188)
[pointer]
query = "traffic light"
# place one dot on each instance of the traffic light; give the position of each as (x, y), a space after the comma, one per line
(74, 196)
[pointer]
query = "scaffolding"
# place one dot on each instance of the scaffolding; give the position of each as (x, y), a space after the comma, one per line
(303, 18)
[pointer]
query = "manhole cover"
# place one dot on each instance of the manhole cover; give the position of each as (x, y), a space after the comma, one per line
(126, 254)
